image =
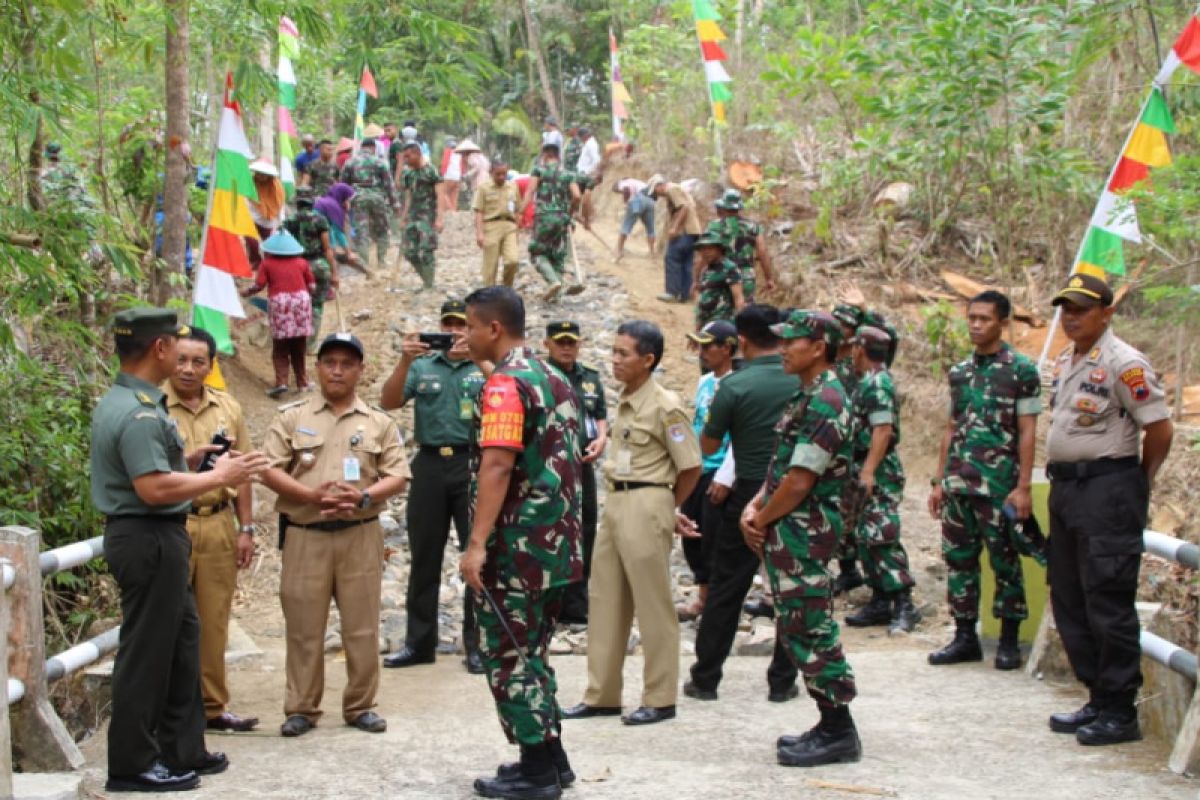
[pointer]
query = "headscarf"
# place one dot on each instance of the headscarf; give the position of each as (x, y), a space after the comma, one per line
(333, 204)
(271, 197)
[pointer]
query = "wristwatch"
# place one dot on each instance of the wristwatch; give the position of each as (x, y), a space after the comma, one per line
(365, 501)
(247, 529)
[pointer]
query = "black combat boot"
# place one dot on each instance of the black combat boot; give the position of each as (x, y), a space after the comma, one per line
(904, 614)
(1008, 653)
(566, 776)
(965, 646)
(535, 779)
(848, 576)
(876, 612)
(834, 740)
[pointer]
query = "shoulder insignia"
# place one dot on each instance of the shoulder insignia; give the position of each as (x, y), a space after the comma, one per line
(145, 415)
(677, 433)
(1135, 379)
(293, 404)
(1094, 355)
(144, 399)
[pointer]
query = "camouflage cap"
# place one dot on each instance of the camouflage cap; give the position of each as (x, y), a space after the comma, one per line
(145, 322)
(1084, 290)
(710, 240)
(454, 309)
(730, 201)
(305, 195)
(875, 342)
(810, 324)
(848, 315)
(563, 329)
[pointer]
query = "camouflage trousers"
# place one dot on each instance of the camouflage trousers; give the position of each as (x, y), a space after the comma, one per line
(968, 523)
(370, 213)
(420, 245)
(322, 274)
(749, 283)
(877, 535)
(804, 623)
(526, 699)
(548, 244)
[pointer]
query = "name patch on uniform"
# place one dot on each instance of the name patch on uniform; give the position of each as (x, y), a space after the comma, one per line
(503, 414)
(1098, 375)
(1135, 379)
(677, 433)
(1091, 388)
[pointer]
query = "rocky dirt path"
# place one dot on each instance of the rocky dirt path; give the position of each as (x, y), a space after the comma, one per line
(968, 733)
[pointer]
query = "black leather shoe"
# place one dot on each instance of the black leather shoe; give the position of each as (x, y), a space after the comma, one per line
(474, 662)
(370, 722)
(583, 711)
(296, 725)
(964, 648)
(1008, 656)
(759, 608)
(407, 657)
(820, 748)
(876, 612)
(645, 715)
(156, 779)
(212, 764)
(1071, 721)
(696, 693)
(1110, 729)
(783, 695)
(846, 581)
(512, 769)
(520, 786)
(793, 740)
(232, 722)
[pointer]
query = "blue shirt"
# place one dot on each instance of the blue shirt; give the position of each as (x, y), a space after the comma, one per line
(305, 158)
(706, 389)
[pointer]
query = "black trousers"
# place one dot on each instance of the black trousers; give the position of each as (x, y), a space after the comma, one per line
(698, 508)
(157, 707)
(439, 495)
(734, 568)
(1095, 552)
(575, 599)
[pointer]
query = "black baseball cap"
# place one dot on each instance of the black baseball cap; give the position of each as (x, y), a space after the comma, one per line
(454, 308)
(718, 331)
(563, 329)
(342, 340)
(145, 322)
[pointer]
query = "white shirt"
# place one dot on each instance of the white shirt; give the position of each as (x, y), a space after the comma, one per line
(589, 157)
(553, 137)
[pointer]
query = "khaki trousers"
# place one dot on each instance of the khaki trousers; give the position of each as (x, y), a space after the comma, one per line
(212, 571)
(631, 577)
(347, 567)
(499, 242)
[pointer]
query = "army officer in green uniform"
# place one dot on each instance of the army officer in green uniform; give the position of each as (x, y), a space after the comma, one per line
(141, 482)
(443, 386)
(562, 344)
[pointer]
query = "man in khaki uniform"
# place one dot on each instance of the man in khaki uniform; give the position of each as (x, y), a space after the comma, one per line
(652, 467)
(1104, 397)
(683, 229)
(495, 208)
(219, 546)
(334, 463)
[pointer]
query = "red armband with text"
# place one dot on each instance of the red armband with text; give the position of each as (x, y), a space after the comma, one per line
(503, 417)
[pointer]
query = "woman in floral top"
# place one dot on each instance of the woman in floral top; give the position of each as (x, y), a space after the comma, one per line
(289, 282)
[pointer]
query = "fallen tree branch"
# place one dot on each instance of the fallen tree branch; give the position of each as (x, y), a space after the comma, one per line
(29, 240)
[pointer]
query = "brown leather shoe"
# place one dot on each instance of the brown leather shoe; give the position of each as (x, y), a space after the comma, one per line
(232, 722)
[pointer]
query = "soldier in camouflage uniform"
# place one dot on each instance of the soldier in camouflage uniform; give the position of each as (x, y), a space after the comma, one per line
(849, 318)
(61, 183)
(718, 284)
(986, 464)
(323, 171)
(745, 242)
(876, 320)
(312, 232)
(374, 195)
(557, 195)
(422, 216)
(573, 148)
(878, 489)
(797, 539)
(525, 536)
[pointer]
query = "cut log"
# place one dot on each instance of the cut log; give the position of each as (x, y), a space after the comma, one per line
(968, 288)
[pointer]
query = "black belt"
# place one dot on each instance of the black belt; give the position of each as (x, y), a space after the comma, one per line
(208, 511)
(445, 450)
(1082, 470)
(179, 518)
(493, 219)
(626, 486)
(335, 525)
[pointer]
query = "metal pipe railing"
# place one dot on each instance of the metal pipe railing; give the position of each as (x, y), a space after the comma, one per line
(1168, 654)
(71, 555)
(81, 655)
(1172, 549)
